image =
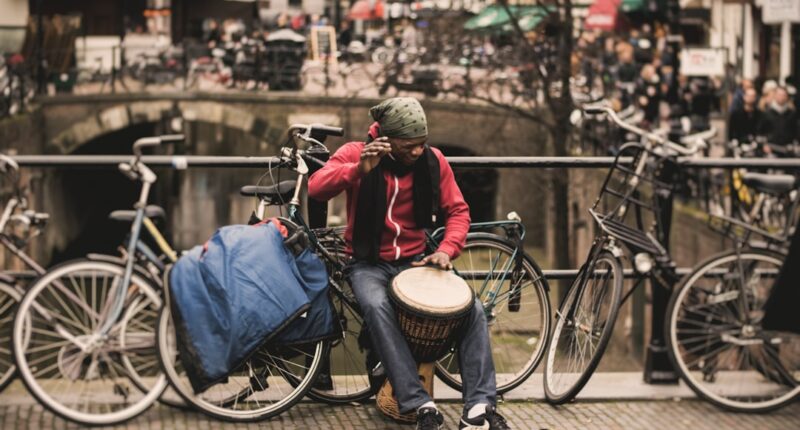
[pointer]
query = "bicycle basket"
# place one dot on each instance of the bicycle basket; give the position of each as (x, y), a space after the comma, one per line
(636, 189)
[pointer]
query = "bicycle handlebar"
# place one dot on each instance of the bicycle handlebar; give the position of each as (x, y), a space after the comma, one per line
(154, 141)
(595, 110)
(700, 138)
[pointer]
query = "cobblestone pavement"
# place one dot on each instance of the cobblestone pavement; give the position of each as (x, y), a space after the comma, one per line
(677, 414)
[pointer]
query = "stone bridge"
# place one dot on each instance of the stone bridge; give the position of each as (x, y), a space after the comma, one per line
(71, 121)
(228, 123)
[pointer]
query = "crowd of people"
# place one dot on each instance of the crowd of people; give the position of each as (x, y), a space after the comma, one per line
(769, 114)
(641, 70)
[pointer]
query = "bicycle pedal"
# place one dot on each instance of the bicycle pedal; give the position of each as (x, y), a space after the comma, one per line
(259, 382)
(324, 382)
(122, 390)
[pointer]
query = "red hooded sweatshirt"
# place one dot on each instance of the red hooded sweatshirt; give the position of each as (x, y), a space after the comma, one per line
(401, 238)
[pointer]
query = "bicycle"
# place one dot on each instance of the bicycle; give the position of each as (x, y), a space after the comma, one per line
(766, 210)
(275, 377)
(30, 224)
(84, 333)
(586, 316)
(148, 264)
(713, 320)
(513, 290)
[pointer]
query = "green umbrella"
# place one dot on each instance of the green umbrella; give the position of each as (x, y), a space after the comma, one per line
(530, 20)
(631, 5)
(495, 18)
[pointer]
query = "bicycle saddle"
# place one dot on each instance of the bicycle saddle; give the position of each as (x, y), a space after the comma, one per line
(770, 183)
(151, 211)
(277, 194)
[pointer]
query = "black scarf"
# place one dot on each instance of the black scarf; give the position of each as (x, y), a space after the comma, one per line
(372, 206)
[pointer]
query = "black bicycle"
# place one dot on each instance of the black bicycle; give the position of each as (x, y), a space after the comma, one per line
(628, 213)
(713, 322)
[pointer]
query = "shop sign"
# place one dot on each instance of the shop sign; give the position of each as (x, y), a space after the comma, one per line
(779, 11)
(703, 62)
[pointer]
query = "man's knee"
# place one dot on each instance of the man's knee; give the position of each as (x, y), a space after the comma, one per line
(371, 293)
(376, 305)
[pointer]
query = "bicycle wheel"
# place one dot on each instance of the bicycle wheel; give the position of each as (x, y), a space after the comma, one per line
(346, 378)
(67, 365)
(584, 324)
(715, 335)
(517, 307)
(9, 299)
(259, 389)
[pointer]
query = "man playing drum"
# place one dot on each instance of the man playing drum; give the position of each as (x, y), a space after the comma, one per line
(397, 186)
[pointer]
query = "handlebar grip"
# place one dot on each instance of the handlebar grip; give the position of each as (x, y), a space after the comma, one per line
(592, 110)
(327, 130)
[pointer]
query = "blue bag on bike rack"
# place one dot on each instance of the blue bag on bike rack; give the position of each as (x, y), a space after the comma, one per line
(240, 290)
(318, 322)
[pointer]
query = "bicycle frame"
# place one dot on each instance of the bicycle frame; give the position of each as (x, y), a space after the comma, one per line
(135, 170)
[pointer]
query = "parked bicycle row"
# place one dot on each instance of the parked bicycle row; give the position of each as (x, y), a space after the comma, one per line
(94, 339)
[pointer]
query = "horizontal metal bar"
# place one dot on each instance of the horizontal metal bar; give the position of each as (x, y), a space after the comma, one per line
(540, 162)
(732, 163)
(630, 273)
(176, 162)
(180, 162)
(552, 274)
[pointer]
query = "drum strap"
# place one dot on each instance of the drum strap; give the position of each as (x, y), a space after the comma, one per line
(371, 207)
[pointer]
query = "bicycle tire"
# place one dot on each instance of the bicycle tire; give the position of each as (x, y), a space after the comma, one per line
(554, 392)
(518, 341)
(69, 361)
(225, 408)
(712, 374)
(9, 301)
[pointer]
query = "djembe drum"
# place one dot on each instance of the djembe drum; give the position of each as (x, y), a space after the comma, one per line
(431, 306)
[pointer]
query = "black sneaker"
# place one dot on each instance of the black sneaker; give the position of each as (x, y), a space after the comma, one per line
(429, 419)
(496, 421)
(489, 420)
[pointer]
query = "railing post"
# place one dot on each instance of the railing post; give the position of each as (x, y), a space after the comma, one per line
(113, 70)
(658, 368)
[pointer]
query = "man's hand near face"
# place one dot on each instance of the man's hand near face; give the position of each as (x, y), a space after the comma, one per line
(372, 153)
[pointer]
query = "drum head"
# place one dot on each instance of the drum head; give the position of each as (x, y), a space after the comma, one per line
(432, 291)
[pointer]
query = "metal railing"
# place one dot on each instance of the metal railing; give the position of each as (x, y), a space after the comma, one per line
(658, 367)
(182, 162)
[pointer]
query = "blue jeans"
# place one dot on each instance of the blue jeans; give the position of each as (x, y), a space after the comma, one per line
(369, 283)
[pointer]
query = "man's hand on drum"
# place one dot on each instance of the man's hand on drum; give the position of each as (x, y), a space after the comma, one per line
(436, 259)
(372, 153)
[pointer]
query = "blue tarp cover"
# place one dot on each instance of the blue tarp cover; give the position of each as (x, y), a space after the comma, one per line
(240, 290)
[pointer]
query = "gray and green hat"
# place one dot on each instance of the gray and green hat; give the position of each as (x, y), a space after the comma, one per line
(401, 117)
